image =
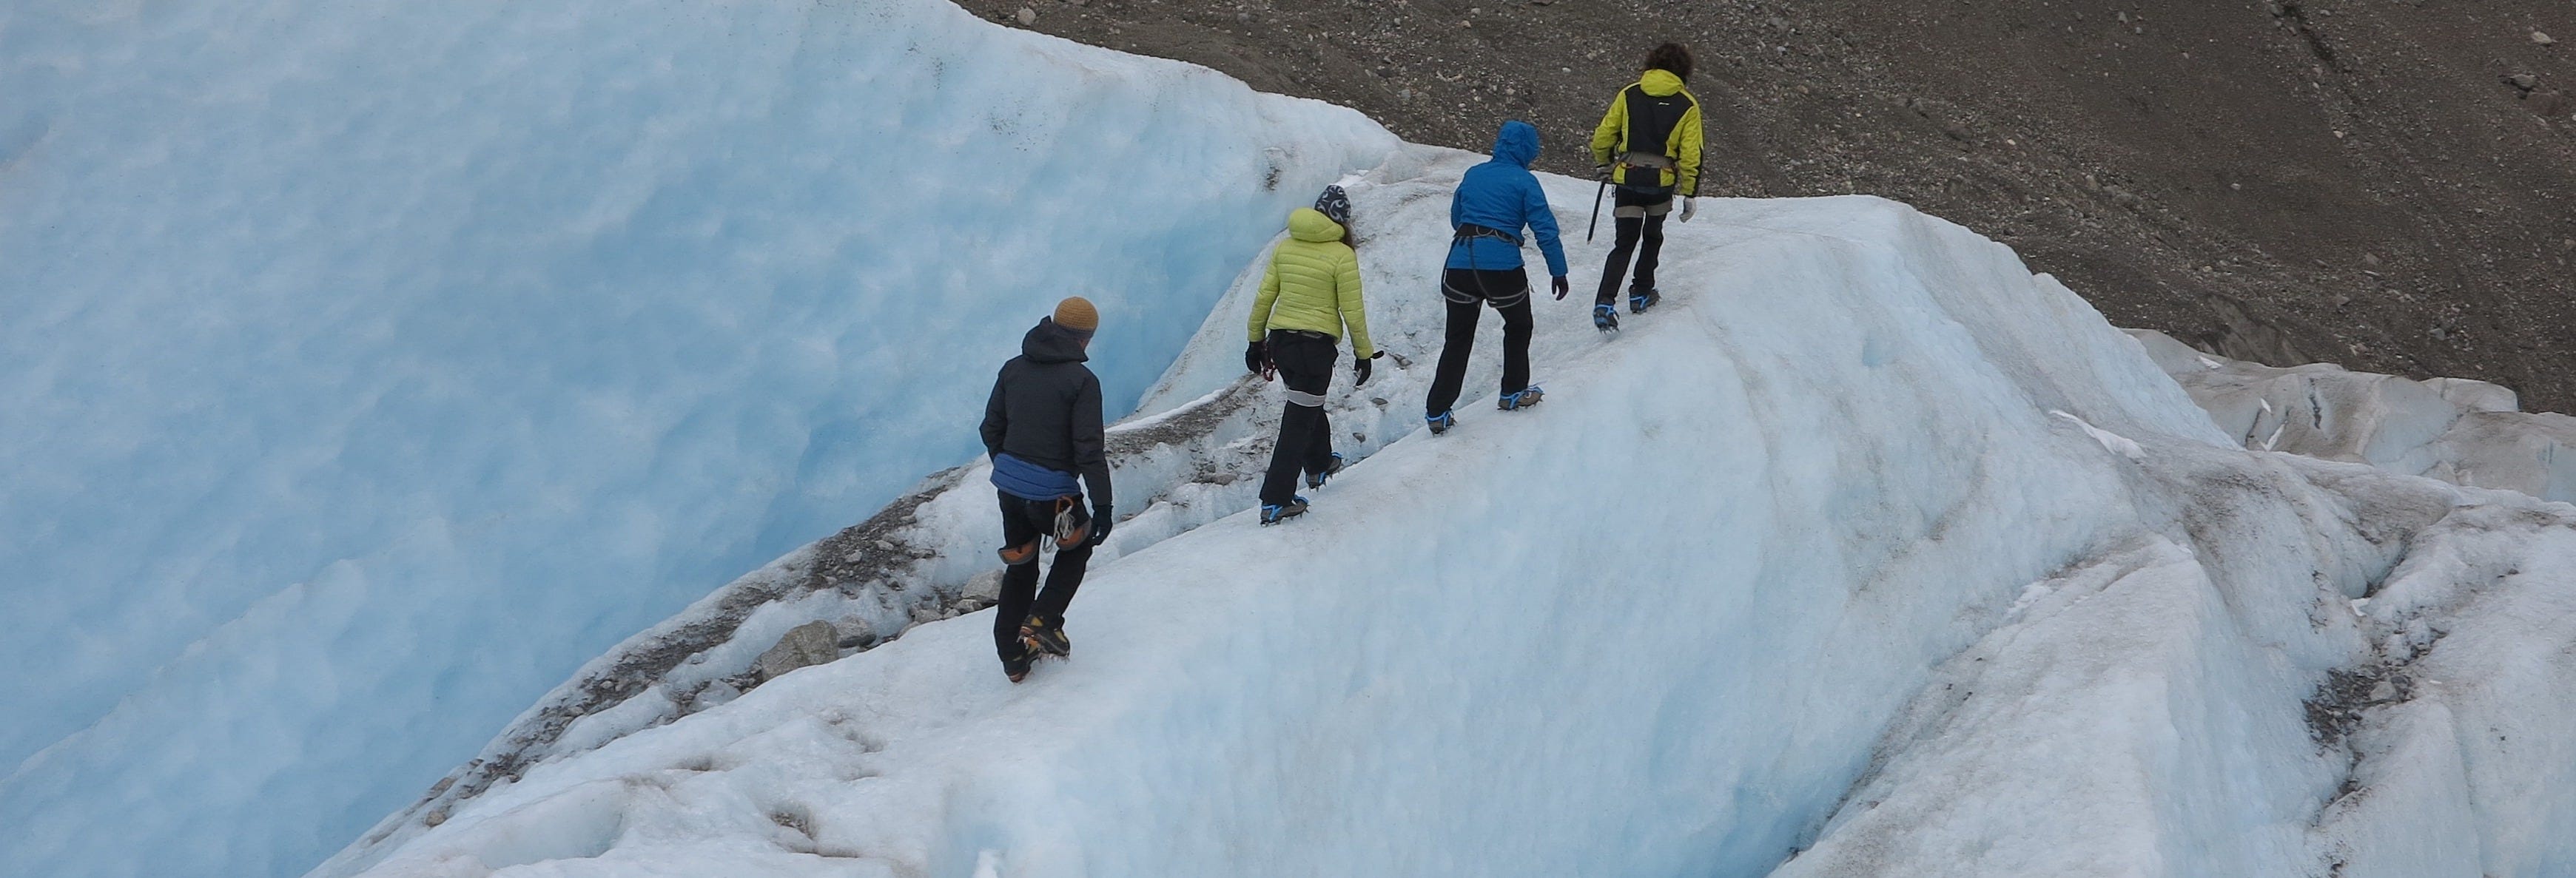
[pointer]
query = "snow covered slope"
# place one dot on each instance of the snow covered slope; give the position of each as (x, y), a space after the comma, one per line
(1870, 554)
(367, 368)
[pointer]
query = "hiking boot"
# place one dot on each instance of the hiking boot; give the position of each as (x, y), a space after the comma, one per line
(1317, 480)
(1640, 300)
(1037, 635)
(1440, 423)
(1016, 668)
(1271, 515)
(1605, 317)
(1512, 402)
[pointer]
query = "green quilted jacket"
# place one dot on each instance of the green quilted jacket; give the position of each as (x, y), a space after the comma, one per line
(1313, 284)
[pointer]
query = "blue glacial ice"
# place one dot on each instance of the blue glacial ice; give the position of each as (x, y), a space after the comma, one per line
(367, 368)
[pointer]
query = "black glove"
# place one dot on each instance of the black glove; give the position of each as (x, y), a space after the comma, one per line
(1560, 286)
(1361, 369)
(1099, 526)
(1253, 357)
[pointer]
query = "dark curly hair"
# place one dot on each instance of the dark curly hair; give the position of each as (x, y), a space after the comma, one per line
(1671, 58)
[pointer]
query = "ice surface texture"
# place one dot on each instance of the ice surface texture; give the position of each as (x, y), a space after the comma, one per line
(1183, 462)
(2454, 429)
(1867, 553)
(1655, 625)
(367, 368)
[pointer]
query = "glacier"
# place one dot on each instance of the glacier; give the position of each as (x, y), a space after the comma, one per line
(2454, 429)
(370, 368)
(1868, 552)
(389, 363)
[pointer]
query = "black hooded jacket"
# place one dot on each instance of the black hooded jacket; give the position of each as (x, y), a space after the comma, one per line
(1045, 409)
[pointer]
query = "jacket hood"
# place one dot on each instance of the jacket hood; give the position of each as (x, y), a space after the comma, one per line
(1660, 83)
(1049, 343)
(1517, 143)
(1309, 224)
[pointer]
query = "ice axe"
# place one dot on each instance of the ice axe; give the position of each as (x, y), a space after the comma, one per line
(1595, 225)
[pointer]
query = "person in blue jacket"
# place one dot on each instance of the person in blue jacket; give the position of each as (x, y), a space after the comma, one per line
(1495, 200)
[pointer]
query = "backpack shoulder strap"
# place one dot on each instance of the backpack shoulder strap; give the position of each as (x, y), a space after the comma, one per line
(1633, 96)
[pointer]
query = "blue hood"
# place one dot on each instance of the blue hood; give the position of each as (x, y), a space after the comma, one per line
(1517, 143)
(1504, 196)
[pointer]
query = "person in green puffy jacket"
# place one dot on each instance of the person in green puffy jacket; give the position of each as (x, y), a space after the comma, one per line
(1310, 292)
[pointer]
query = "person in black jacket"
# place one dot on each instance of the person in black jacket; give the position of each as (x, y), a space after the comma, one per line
(1043, 428)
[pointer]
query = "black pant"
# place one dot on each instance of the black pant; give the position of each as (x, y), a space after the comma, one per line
(1305, 361)
(1468, 289)
(1630, 230)
(1025, 522)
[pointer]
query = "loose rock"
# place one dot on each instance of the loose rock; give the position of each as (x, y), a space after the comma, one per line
(857, 632)
(812, 643)
(986, 586)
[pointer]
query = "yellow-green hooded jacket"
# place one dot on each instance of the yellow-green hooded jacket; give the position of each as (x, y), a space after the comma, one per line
(1616, 134)
(1313, 284)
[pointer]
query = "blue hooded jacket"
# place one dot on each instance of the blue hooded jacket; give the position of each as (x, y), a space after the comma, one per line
(1503, 194)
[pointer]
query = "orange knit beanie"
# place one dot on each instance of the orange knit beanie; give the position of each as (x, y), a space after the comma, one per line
(1075, 313)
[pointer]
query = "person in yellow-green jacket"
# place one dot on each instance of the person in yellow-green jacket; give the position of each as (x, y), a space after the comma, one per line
(1310, 292)
(1648, 145)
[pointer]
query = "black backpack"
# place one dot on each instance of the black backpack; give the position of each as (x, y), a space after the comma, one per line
(1651, 120)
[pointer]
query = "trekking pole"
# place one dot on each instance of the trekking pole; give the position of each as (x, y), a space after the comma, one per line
(1596, 210)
